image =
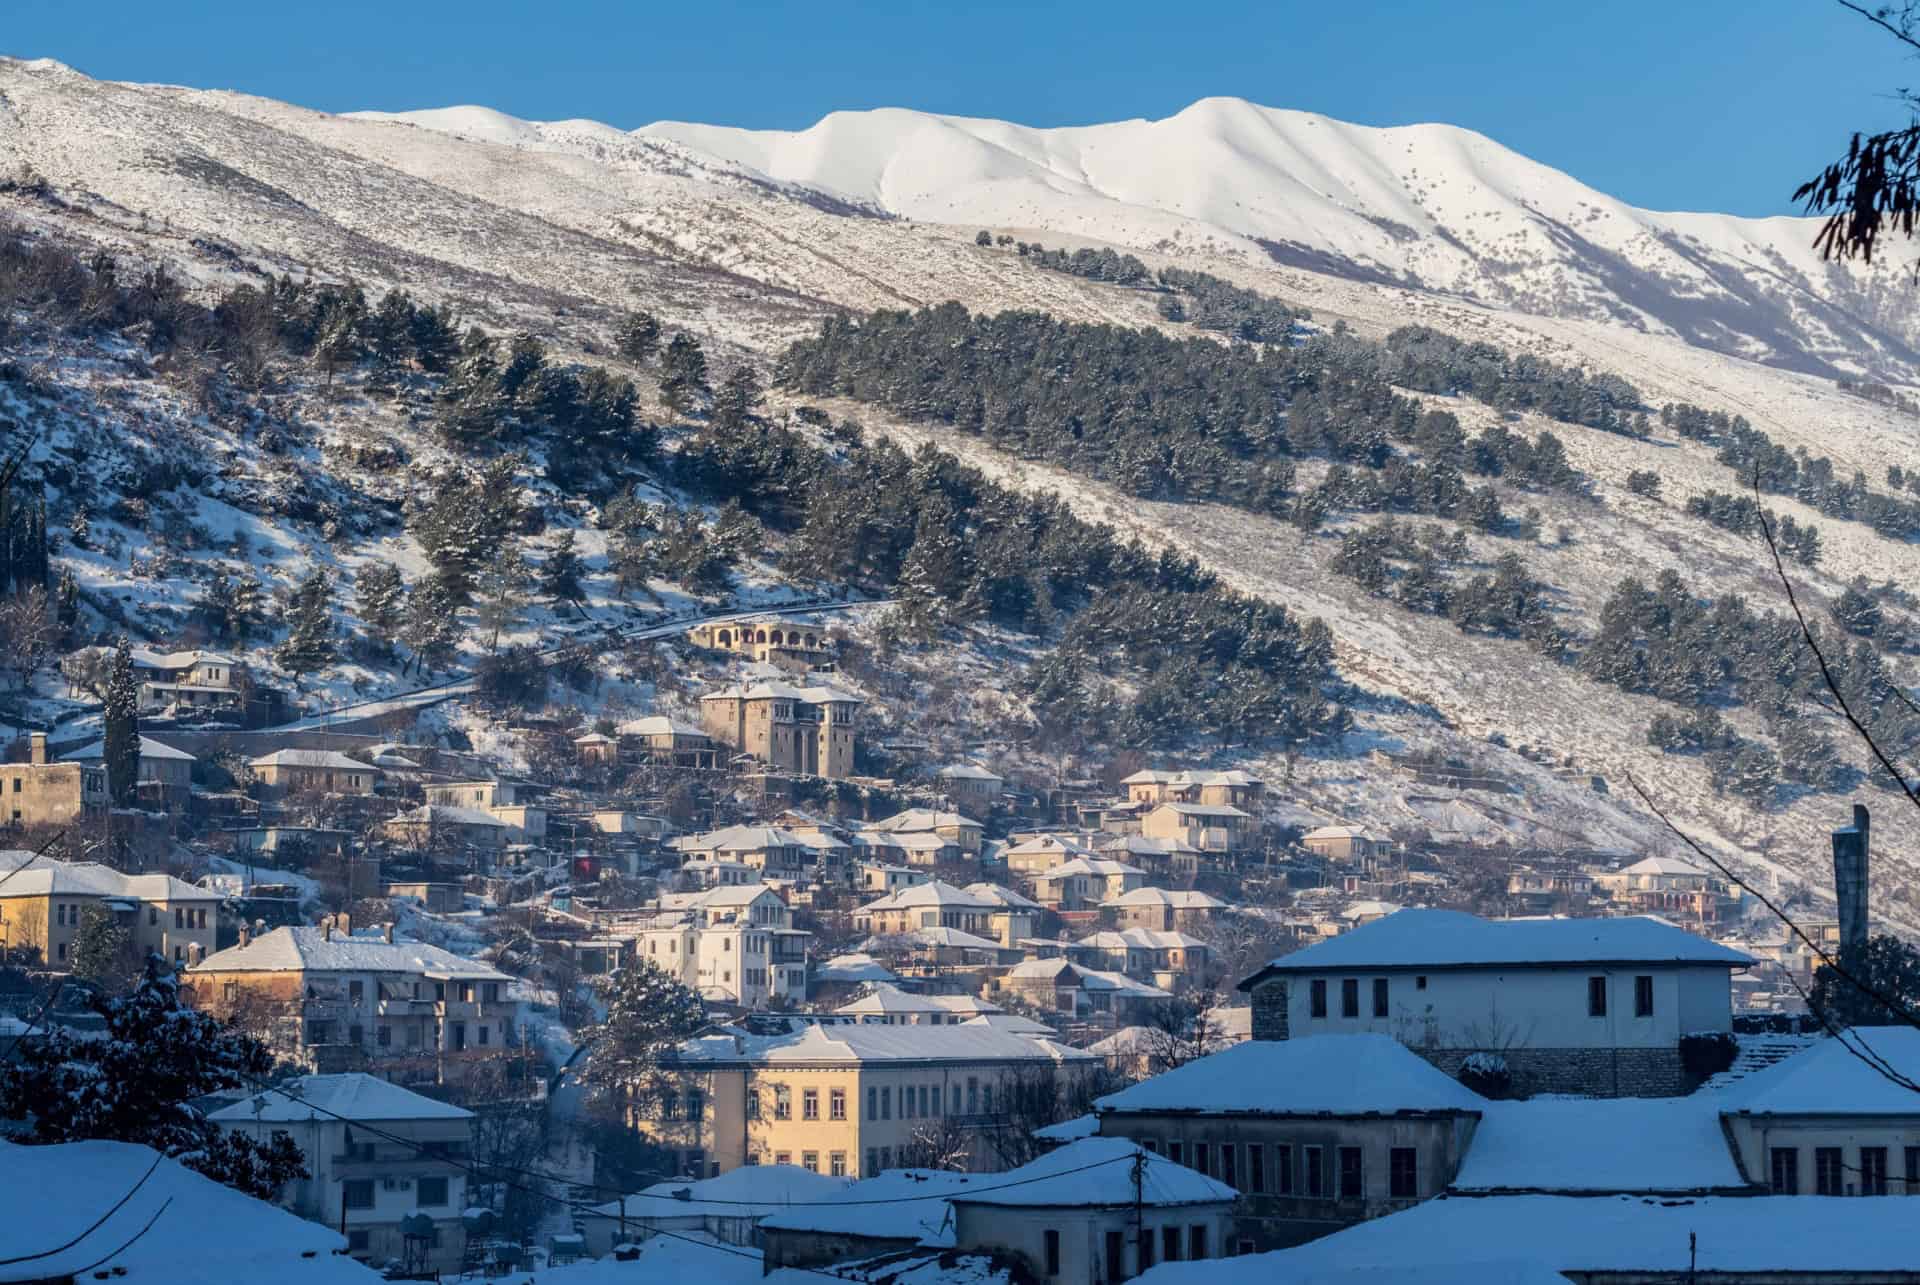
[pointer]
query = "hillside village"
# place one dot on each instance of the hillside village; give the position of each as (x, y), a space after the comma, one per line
(597, 766)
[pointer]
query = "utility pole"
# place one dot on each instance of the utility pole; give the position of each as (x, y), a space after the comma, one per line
(1142, 1248)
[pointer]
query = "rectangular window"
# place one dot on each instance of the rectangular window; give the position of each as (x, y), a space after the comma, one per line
(430, 1193)
(1403, 1173)
(929, 1099)
(873, 1103)
(1203, 1158)
(1116, 1257)
(1318, 994)
(356, 992)
(1873, 1171)
(1227, 1167)
(1350, 1177)
(1144, 1247)
(1829, 1173)
(1786, 1171)
(1913, 1171)
(357, 1193)
(1643, 996)
(1052, 1238)
(1313, 1158)
(1379, 997)
(1177, 1152)
(1170, 1244)
(973, 1096)
(1283, 1171)
(1256, 1168)
(886, 1103)
(1350, 997)
(836, 1104)
(810, 1161)
(358, 1242)
(810, 1104)
(1596, 997)
(783, 1157)
(383, 1035)
(696, 1104)
(782, 1102)
(837, 1164)
(873, 1163)
(1197, 1242)
(753, 1104)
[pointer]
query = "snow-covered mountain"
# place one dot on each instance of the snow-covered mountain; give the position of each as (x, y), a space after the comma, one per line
(1430, 206)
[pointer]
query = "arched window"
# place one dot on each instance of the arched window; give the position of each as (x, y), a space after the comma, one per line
(760, 636)
(726, 638)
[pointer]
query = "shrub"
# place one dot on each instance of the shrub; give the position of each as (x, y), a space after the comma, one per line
(1707, 1053)
(1487, 1075)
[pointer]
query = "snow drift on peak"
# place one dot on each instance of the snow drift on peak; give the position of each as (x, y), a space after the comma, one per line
(1428, 206)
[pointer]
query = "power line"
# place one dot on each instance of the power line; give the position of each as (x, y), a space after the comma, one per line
(111, 1211)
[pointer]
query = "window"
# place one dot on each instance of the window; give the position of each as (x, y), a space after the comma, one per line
(696, 1104)
(1403, 1173)
(810, 1104)
(1145, 1250)
(873, 1103)
(886, 1103)
(357, 1193)
(1227, 1166)
(873, 1163)
(955, 1109)
(1643, 997)
(837, 1164)
(1053, 1252)
(1350, 1176)
(179, 919)
(1116, 1257)
(383, 1035)
(1151, 1145)
(1318, 999)
(1379, 997)
(783, 1157)
(1316, 1177)
(1177, 1152)
(1283, 1171)
(61, 950)
(810, 1161)
(886, 1158)
(836, 1104)
(485, 1031)
(929, 1099)
(358, 1242)
(1786, 1171)
(1873, 1171)
(1203, 1158)
(973, 1096)
(1829, 1174)
(1913, 1171)
(986, 1099)
(669, 1105)
(430, 1193)
(153, 915)
(1197, 1241)
(753, 1104)
(1350, 997)
(356, 992)
(782, 1102)
(1170, 1244)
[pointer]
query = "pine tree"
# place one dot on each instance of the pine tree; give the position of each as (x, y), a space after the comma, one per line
(67, 603)
(309, 644)
(638, 337)
(560, 574)
(738, 396)
(380, 598)
(648, 1012)
(431, 630)
(683, 374)
(501, 594)
(100, 945)
(122, 744)
(139, 1080)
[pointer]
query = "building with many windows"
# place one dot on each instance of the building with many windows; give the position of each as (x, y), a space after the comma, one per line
(42, 901)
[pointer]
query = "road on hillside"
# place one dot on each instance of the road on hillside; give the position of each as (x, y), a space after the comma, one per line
(606, 635)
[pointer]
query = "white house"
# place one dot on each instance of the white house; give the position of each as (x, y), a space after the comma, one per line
(1571, 1005)
(371, 1178)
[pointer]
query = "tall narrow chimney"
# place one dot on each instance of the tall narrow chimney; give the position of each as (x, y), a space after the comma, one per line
(1850, 880)
(37, 741)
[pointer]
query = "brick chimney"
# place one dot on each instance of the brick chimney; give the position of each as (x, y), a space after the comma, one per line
(38, 743)
(1850, 880)
(389, 934)
(326, 928)
(246, 933)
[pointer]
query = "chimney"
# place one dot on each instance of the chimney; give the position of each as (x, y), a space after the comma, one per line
(326, 928)
(246, 933)
(345, 921)
(389, 934)
(1850, 881)
(195, 953)
(38, 742)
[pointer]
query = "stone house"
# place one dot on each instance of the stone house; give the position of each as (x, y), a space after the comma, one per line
(1233, 789)
(1085, 882)
(333, 1000)
(885, 877)
(1594, 1006)
(1167, 958)
(434, 827)
(596, 747)
(39, 793)
(1163, 909)
(769, 851)
(1825, 1122)
(294, 771)
(1346, 843)
(1014, 918)
(1173, 859)
(844, 1100)
(408, 1161)
(1316, 1133)
(1672, 889)
(728, 1208)
(792, 643)
(1077, 992)
(166, 774)
(1210, 827)
(926, 905)
(803, 731)
(1038, 853)
(666, 741)
(963, 832)
(733, 944)
(42, 900)
(970, 785)
(196, 681)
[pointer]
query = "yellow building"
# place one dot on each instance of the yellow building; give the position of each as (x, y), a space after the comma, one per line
(806, 731)
(851, 1100)
(41, 793)
(42, 901)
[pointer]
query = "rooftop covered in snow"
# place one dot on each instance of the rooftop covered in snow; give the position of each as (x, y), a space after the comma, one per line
(1334, 1075)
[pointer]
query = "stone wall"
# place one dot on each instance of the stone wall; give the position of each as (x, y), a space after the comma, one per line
(1270, 1010)
(1602, 1073)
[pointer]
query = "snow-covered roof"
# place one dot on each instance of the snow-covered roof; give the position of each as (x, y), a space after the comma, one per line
(145, 659)
(1190, 899)
(887, 998)
(1011, 1023)
(1001, 895)
(749, 1191)
(853, 968)
(861, 1043)
(311, 758)
(448, 814)
(1662, 866)
(743, 838)
(659, 725)
(1049, 845)
(1234, 777)
(920, 819)
(1140, 939)
(950, 937)
(1141, 845)
(1643, 1146)
(1312, 1075)
(356, 1095)
(933, 893)
(1098, 1173)
(1340, 832)
(305, 948)
(1099, 867)
(967, 772)
(1833, 1077)
(1456, 939)
(1711, 1235)
(41, 876)
(149, 749)
(1221, 811)
(897, 1204)
(100, 1213)
(1080, 1126)
(1060, 971)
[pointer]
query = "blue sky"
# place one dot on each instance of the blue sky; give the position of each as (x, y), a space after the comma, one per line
(1680, 104)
